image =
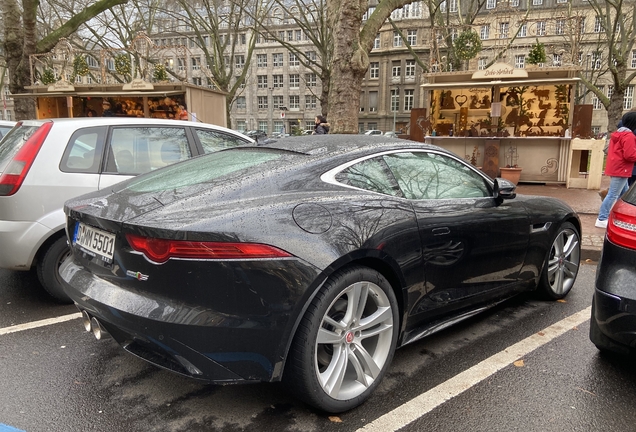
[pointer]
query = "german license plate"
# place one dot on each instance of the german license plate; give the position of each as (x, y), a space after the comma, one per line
(94, 241)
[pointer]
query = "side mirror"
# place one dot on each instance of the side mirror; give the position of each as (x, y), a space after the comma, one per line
(504, 189)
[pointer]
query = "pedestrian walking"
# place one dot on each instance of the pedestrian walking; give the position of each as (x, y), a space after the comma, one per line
(621, 156)
(321, 126)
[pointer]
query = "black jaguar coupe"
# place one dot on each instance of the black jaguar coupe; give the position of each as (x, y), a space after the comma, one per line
(309, 260)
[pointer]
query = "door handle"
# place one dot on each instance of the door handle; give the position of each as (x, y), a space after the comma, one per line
(440, 231)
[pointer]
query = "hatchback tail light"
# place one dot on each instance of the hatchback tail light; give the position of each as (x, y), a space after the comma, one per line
(160, 250)
(16, 170)
(621, 227)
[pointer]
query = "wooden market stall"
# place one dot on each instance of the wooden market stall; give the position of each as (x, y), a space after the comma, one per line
(135, 99)
(504, 117)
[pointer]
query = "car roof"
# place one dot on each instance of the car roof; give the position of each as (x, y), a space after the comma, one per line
(7, 123)
(123, 121)
(325, 146)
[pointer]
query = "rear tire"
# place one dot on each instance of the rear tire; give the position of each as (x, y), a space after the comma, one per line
(345, 341)
(48, 270)
(561, 263)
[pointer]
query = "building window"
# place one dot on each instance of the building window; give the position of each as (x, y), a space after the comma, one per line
(409, 69)
(277, 102)
(310, 102)
(598, 24)
(240, 102)
(241, 126)
(277, 81)
(243, 38)
(309, 125)
(261, 81)
(503, 30)
(610, 91)
(537, 2)
(396, 69)
(293, 60)
(196, 63)
(262, 126)
(374, 69)
(411, 37)
(397, 39)
(491, 4)
(559, 27)
(298, 35)
(294, 81)
(262, 102)
(373, 101)
(277, 59)
(628, 98)
(596, 60)
(261, 60)
(452, 6)
(181, 62)
(376, 42)
(582, 25)
(311, 80)
(561, 1)
(514, 3)
(541, 28)
(596, 102)
(311, 56)
(633, 59)
(523, 30)
(395, 100)
(290, 35)
(484, 32)
(294, 102)
(278, 126)
(556, 59)
(240, 61)
(481, 63)
(408, 99)
(520, 61)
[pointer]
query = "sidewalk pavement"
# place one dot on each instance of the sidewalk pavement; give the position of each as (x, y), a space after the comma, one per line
(586, 202)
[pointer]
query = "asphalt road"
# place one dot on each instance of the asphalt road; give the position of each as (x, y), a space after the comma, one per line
(59, 378)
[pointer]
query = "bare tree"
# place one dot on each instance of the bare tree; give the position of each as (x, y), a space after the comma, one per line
(311, 17)
(21, 39)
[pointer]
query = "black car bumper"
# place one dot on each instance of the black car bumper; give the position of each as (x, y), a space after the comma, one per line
(615, 317)
(185, 337)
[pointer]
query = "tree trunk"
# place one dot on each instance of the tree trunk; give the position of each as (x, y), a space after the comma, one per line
(350, 64)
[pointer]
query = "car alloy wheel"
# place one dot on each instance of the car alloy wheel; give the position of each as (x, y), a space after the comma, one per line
(562, 262)
(346, 341)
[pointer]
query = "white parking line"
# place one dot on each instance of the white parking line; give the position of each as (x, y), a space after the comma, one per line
(426, 402)
(41, 323)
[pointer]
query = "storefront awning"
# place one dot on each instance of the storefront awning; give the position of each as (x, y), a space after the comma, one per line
(500, 83)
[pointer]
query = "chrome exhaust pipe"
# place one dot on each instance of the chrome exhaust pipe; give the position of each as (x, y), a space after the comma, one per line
(86, 321)
(98, 330)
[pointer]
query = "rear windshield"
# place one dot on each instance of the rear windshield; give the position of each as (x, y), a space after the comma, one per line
(13, 142)
(203, 169)
(630, 196)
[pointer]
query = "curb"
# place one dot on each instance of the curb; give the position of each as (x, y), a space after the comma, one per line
(591, 254)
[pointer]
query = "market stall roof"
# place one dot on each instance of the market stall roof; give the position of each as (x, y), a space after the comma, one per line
(502, 74)
(112, 90)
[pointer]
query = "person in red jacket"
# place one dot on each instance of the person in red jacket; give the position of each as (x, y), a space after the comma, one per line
(621, 156)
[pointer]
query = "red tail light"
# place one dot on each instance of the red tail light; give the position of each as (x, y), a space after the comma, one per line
(160, 250)
(621, 227)
(14, 173)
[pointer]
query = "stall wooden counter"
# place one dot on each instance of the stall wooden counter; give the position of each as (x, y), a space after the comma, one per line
(136, 99)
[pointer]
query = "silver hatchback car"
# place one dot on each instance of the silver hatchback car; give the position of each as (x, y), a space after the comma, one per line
(43, 163)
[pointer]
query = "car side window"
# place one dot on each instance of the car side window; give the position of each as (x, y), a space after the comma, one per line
(372, 175)
(83, 154)
(136, 150)
(212, 141)
(424, 175)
